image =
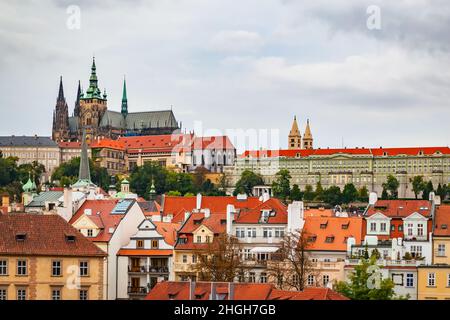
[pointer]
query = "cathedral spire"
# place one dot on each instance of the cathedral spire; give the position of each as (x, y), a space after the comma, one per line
(61, 91)
(77, 102)
(124, 98)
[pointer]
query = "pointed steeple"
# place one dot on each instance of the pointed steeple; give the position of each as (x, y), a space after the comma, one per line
(61, 91)
(76, 111)
(84, 173)
(124, 99)
(295, 138)
(307, 137)
(84, 176)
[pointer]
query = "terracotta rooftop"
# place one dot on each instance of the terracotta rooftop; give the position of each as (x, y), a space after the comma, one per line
(101, 216)
(43, 235)
(442, 221)
(376, 152)
(277, 208)
(108, 143)
(241, 291)
(400, 208)
(331, 233)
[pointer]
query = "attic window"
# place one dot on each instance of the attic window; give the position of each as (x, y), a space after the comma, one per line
(324, 225)
(21, 236)
(444, 227)
(312, 239)
(345, 226)
(329, 239)
(223, 221)
(198, 221)
(172, 296)
(70, 238)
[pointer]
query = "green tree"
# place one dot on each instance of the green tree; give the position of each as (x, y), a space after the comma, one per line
(349, 194)
(174, 193)
(319, 192)
(67, 173)
(363, 194)
(418, 185)
(296, 194)
(281, 187)
(391, 185)
(247, 182)
(366, 283)
(308, 194)
(384, 194)
(332, 195)
(427, 190)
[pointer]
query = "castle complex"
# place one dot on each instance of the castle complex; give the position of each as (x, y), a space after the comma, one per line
(91, 113)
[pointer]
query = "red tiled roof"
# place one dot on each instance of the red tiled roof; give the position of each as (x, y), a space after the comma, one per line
(254, 215)
(101, 216)
(400, 208)
(337, 228)
(177, 206)
(108, 143)
(144, 252)
(242, 291)
(442, 221)
(159, 143)
(168, 230)
(214, 142)
(45, 235)
(318, 213)
(376, 152)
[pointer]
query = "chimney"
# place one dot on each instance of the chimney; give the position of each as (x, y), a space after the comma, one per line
(213, 294)
(191, 290)
(373, 198)
(295, 216)
(230, 291)
(199, 201)
(230, 217)
(187, 214)
(68, 201)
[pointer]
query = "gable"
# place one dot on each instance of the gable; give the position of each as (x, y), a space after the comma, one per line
(202, 230)
(147, 225)
(378, 216)
(415, 216)
(84, 222)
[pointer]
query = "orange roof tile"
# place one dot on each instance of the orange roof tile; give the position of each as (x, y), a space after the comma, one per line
(168, 230)
(337, 229)
(400, 208)
(101, 216)
(442, 221)
(376, 152)
(169, 290)
(254, 215)
(108, 143)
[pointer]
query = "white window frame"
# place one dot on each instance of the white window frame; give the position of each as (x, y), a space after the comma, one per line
(431, 281)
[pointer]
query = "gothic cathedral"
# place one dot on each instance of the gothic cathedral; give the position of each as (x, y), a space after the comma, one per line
(91, 114)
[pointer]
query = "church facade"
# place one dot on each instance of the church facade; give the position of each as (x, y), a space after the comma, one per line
(92, 115)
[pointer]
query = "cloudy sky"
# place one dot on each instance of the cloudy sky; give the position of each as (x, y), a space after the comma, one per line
(250, 64)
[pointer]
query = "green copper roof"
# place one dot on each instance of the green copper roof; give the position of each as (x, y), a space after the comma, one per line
(125, 181)
(93, 92)
(124, 99)
(84, 175)
(28, 186)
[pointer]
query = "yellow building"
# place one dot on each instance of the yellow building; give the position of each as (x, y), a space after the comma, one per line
(433, 282)
(42, 257)
(441, 236)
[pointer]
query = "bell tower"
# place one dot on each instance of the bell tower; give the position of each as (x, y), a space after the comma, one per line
(307, 137)
(295, 138)
(92, 107)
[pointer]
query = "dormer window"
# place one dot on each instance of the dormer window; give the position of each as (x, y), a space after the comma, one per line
(312, 239)
(324, 225)
(21, 236)
(345, 226)
(329, 239)
(70, 238)
(140, 244)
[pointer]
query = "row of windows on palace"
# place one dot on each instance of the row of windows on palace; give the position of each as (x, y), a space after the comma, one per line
(56, 271)
(56, 268)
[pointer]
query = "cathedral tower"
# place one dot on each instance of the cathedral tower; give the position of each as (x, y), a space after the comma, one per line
(295, 138)
(307, 137)
(60, 130)
(124, 109)
(93, 106)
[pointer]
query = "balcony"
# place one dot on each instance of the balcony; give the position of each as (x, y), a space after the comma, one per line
(138, 291)
(148, 269)
(391, 263)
